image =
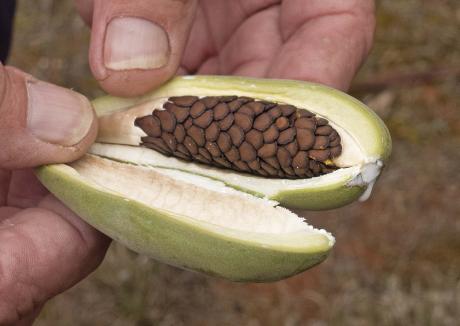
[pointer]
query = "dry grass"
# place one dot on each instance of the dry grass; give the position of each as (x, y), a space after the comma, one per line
(396, 261)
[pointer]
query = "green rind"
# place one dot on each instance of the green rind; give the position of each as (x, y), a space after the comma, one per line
(183, 242)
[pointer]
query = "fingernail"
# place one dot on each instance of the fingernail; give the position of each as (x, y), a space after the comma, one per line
(57, 115)
(135, 43)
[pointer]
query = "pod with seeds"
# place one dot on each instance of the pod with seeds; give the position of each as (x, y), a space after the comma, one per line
(199, 173)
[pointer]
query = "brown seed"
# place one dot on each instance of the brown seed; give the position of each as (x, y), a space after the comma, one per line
(321, 142)
(247, 109)
(273, 162)
(179, 112)
(191, 145)
(169, 140)
(247, 152)
(220, 111)
(210, 101)
(334, 142)
(255, 138)
(212, 132)
(150, 125)
(275, 112)
(235, 105)
(243, 166)
(286, 109)
(197, 134)
(222, 161)
(167, 120)
(181, 155)
(300, 161)
(254, 165)
(213, 148)
(284, 157)
(336, 151)
(224, 141)
(305, 139)
(204, 120)
(324, 130)
(204, 152)
(333, 135)
(321, 122)
(228, 98)
(299, 172)
(243, 121)
(183, 100)
(263, 122)
(319, 154)
(256, 107)
(286, 136)
(282, 123)
(179, 133)
(281, 174)
(267, 150)
(226, 122)
(245, 99)
(269, 169)
(197, 109)
(315, 167)
(188, 123)
(302, 113)
(157, 148)
(271, 134)
(202, 159)
(233, 154)
(181, 148)
(262, 172)
(158, 142)
(288, 170)
(292, 147)
(268, 105)
(306, 123)
(237, 135)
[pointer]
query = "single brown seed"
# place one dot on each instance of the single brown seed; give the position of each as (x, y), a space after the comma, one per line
(335, 142)
(271, 134)
(267, 150)
(292, 147)
(224, 141)
(247, 152)
(197, 135)
(210, 101)
(254, 165)
(191, 145)
(197, 109)
(204, 152)
(256, 107)
(273, 162)
(228, 98)
(302, 113)
(284, 157)
(306, 123)
(167, 120)
(286, 136)
(181, 148)
(268, 168)
(158, 142)
(300, 160)
(212, 132)
(213, 149)
(275, 112)
(282, 123)
(170, 141)
(157, 148)
(288, 170)
(321, 122)
(183, 100)
(299, 172)
(319, 154)
(315, 167)
(150, 125)
(182, 156)
(236, 134)
(188, 123)
(336, 151)
(243, 166)
(233, 154)
(263, 122)
(305, 139)
(245, 99)
(222, 161)
(247, 109)
(255, 138)
(179, 133)
(281, 174)
(243, 121)
(235, 105)
(226, 122)
(220, 111)
(333, 135)
(204, 120)
(262, 172)
(287, 109)
(181, 113)
(321, 142)
(324, 130)
(202, 159)
(268, 105)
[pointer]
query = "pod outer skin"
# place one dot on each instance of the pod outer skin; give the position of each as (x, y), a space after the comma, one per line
(181, 241)
(351, 114)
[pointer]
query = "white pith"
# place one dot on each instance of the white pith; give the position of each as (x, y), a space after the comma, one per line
(200, 198)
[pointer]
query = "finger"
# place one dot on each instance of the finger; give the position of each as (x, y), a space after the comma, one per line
(44, 251)
(40, 122)
(24, 189)
(138, 45)
(326, 43)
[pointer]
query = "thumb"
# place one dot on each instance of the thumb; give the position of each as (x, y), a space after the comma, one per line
(41, 123)
(138, 45)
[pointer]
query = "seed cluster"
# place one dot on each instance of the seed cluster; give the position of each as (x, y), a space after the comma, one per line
(243, 134)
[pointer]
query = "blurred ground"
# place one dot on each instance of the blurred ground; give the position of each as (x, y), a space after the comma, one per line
(397, 259)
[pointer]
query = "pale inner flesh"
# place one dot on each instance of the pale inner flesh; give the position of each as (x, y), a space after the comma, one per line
(187, 195)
